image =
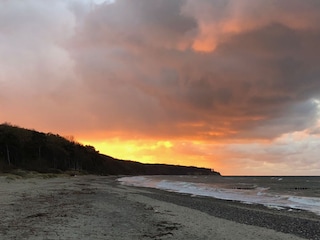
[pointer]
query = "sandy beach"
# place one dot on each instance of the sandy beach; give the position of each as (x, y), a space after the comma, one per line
(94, 207)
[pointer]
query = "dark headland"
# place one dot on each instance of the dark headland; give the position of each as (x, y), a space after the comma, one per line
(51, 153)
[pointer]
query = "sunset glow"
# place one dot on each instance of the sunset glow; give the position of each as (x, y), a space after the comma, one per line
(206, 45)
(229, 85)
(180, 153)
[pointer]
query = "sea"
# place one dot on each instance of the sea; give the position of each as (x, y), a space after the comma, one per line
(282, 193)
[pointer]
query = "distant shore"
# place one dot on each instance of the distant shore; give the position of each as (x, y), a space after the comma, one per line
(94, 207)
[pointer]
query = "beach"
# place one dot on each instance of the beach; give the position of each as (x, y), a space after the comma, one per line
(99, 207)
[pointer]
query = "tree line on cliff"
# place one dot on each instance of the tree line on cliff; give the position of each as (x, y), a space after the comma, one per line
(48, 152)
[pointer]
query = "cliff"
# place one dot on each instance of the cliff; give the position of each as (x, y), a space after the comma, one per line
(47, 152)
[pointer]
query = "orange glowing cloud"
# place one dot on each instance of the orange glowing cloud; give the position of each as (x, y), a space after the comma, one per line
(217, 21)
(204, 45)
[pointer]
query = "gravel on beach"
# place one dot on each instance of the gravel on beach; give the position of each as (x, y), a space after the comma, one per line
(96, 207)
(300, 223)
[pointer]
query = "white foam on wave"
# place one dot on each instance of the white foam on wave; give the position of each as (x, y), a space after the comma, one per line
(139, 181)
(305, 203)
(251, 196)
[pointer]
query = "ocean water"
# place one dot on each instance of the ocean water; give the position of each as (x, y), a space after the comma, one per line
(275, 192)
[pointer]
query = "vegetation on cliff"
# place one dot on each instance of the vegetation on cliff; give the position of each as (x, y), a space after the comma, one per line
(47, 152)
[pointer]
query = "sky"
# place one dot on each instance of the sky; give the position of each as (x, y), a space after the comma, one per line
(232, 85)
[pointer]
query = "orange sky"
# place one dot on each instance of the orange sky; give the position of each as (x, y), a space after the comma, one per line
(229, 85)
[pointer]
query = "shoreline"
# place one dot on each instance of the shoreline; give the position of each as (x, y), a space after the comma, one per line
(293, 221)
(96, 207)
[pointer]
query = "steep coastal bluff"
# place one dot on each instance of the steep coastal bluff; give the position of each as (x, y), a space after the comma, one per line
(46, 152)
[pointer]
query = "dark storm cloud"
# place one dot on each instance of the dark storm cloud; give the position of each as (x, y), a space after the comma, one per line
(279, 82)
(207, 68)
(139, 60)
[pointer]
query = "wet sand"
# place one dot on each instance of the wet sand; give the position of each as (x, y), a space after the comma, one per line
(92, 207)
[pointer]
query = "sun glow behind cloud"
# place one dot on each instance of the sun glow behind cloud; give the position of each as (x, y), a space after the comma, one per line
(153, 151)
(231, 159)
(146, 151)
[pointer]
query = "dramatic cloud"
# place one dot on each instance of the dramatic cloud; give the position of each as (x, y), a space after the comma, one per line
(224, 79)
(259, 80)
